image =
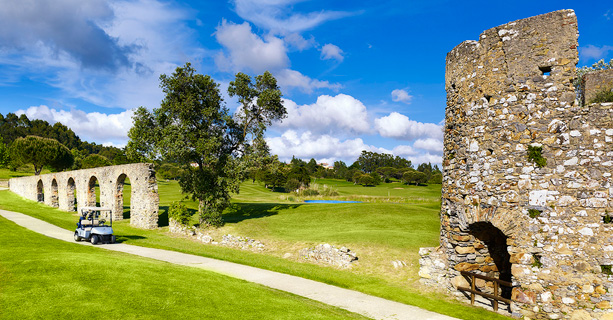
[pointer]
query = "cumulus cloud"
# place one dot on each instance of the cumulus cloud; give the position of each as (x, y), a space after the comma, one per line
(298, 42)
(277, 15)
(430, 144)
(399, 126)
(71, 27)
(247, 50)
(339, 114)
(594, 52)
(156, 34)
(288, 79)
(400, 95)
(330, 51)
(94, 126)
(307, 145)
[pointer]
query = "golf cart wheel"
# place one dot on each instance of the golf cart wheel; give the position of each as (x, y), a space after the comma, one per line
(76, 236)
(94, 239)
(112, 239)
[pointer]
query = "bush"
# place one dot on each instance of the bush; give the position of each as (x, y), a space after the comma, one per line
(179, 213)
(367, 180)
(308, 193)
(534, 154)
(603, 96)
(292, 185)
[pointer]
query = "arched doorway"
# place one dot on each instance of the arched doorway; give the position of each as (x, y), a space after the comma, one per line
(496, 244)
(54, 194)
(71, 195)
(40, 192)
(123, 197)
(93, 192)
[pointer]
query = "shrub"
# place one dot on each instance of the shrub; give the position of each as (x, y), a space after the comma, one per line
(178, 212)
(292, 185)
(308, 193)
(367, 180)
(603, 96)
(534, 155)
(533, 213)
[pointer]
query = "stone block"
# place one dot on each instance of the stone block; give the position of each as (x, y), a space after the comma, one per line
(523, 296)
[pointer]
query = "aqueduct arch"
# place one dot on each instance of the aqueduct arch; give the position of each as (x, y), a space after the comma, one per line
(59, 190)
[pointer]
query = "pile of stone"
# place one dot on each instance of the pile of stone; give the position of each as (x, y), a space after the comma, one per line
(228, 240)
(241, 242)
(325, 253)
(433, 266)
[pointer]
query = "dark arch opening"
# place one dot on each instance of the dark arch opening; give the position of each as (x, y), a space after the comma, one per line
(496, 243)
(93, 192)
(40, 191)
(124, 195)
(54, 194)
(71, 195)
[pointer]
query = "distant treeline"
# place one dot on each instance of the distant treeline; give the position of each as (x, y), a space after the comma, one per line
(86, 154)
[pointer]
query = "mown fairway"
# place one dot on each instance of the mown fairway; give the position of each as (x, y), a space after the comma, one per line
(44, 278)
(392, 226)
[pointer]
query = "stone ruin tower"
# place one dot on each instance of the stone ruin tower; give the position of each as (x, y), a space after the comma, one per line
(544, 226)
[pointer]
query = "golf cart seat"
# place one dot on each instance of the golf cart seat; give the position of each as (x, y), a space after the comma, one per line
(90, 223)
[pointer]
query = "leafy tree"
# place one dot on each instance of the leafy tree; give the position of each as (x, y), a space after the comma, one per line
(414, 176)
(301, 175)
(436, 178)
(41, 152)
(95, 161)
(340, 170)
(311, 166)
(4, 154)
(192, 126)
(366, 180)
(295, 162)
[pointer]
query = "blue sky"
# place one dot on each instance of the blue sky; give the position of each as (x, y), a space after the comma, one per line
(356, 75)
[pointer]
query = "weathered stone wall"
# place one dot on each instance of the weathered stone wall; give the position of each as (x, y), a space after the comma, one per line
(543, 228)
(595, 82)
(58, 190)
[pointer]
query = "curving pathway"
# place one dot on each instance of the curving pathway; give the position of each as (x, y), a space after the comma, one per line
(367, 305)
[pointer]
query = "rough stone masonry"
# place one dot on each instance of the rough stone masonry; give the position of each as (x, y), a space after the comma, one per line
(546, 226)
(60, 189)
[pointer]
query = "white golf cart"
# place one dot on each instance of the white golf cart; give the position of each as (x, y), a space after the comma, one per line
(91, 228)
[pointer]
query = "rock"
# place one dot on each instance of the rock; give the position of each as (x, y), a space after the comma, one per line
(464, 250)
(604, 305)
(522, 296)
(460, 281)
(466, 266)
(580, 315)
(287, 255)
(325, 253)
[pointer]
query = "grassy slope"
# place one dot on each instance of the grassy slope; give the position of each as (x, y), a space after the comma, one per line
(46, 278)
(378, 232)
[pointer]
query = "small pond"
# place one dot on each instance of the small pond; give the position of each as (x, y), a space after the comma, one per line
(330, 201)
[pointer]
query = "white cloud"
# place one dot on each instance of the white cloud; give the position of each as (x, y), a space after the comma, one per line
(298, 42)
(307, 145)
(330, 51)
(71, 27)
(92, 127)
(277, 15)
(594, 52)
(400, 95)
(154, 34)
(430, 144)
(247, 50)
(288, 79)
(338, 114)
(399, 126)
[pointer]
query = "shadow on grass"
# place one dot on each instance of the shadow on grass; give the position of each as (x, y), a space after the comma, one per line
(244, 211)
(121, 239)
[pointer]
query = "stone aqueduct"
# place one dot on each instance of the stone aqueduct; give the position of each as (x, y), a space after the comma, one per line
(547, 229)
(60, 189)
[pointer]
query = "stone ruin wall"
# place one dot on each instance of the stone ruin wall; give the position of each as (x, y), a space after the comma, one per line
(597, 81)
(59, 190)
(510, 90)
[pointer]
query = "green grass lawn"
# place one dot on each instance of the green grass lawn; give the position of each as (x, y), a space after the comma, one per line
(398, 221)
(44, 278)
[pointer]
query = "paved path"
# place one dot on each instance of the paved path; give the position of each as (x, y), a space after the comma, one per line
(370, 306)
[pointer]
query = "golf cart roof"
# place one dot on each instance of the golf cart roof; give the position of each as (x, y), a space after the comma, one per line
(95, 209)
